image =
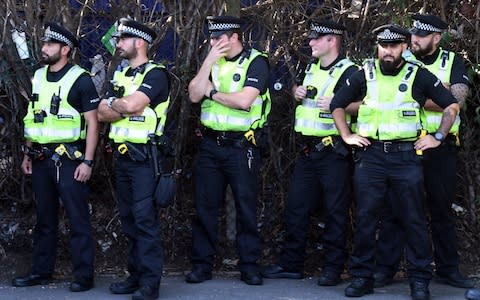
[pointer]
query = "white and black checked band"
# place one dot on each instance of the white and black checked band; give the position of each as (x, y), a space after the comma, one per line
(325, 30)
(425, 27)
(134, 31)
(388, 35)
(50, 34)
(223, 26)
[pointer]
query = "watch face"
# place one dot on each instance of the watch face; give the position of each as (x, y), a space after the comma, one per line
(439, 136)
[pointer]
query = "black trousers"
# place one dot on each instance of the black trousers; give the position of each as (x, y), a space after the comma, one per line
(319, 178)
(439, 166)
(216, 167)
(135, 185)
(73, 194)
(400, 174)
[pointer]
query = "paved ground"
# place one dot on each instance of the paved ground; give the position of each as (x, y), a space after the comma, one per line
(224, 287)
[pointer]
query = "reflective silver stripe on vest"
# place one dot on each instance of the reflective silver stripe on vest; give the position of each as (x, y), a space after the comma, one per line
(402, 127)
(368, 127)
(308, 75)
(309, 103)
(36, 82)
(391, 106)
(129, 132)
(215, 79)
(315, 125)
(58, 134)
(257, 101)
(408, 72)
(222, 119)
(160, 127)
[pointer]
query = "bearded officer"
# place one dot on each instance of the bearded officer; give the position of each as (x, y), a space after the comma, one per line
(439, 164)
(136, 107)
(61, 131)
(386, 163)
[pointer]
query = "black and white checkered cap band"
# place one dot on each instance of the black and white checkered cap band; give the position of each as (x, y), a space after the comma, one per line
(134, 31)
(325, 30)
(50, 34)
(388, 35)
(425, 27)
(223, 26)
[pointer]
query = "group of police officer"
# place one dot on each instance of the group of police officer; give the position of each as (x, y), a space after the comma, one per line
(404, 143)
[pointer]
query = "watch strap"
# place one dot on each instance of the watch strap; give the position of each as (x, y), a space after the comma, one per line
(88, 162)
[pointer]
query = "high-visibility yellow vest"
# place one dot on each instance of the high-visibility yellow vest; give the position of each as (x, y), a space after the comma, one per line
(442, 68)
(136, 129)
(66, 125)
(229, 77)
(309, 118)
(388, 111)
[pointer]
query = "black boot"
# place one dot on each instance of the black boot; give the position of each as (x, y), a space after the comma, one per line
(31, 279)
(147, 292)
(419, 290)
(359, 287)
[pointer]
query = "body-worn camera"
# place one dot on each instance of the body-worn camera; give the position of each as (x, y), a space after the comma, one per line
(34, 99)
(39, 115)
(311, 92)
(118, 91)
(55, 103)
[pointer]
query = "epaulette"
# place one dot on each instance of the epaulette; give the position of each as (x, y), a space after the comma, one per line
(416, 63)
(245, 55)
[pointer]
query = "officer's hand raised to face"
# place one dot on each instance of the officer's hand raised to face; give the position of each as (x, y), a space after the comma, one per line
(219, 49)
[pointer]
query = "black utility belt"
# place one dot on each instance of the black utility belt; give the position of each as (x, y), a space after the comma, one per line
(225, 138)
(392, 146)
(134, 151)
(73, 151)
(320, 143)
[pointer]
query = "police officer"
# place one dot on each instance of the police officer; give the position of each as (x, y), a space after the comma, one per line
(136, 108)
(386, 162)
(439, 164)
(61, 132)
(232, 86)
(322, 171)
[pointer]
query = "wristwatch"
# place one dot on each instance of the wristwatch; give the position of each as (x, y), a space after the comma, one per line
(110, 101)
(439, 136)
(213, 92)
(88, 162)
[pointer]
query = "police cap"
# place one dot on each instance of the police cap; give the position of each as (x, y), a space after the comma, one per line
(56, 33)
(391, 33)
(323, 27)
(130, 28)
(218, 25)
(424, 25)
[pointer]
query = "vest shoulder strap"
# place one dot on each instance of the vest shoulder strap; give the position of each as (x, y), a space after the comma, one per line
(369, 69)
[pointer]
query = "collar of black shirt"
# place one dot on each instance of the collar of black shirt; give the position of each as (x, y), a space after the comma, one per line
(430, 59)
(56, 76)
(339, 58)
